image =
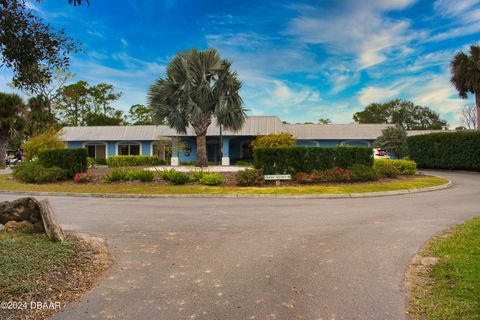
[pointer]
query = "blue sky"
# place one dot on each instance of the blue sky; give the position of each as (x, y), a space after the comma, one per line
(299, 60)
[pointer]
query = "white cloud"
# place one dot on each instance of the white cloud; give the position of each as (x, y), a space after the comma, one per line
(356, 29)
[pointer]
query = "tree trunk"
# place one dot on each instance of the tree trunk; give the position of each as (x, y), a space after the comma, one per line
(3, 149)
(52, 228)
(202, 150)
(477, 103)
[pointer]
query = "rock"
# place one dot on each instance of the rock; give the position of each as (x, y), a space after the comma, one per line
(39, 214)
(23, 209)
(23, 226)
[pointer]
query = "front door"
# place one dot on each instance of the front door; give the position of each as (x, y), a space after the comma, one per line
(213, 152)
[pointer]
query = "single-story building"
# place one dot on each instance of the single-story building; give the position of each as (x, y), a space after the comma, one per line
(105, 141)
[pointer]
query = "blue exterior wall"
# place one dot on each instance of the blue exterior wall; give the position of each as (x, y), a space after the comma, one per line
(232, 146)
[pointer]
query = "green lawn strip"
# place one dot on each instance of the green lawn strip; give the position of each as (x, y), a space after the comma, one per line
(453, 290)
(9, 184)
(27, 258)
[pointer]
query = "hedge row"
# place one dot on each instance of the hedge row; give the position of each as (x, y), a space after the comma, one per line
(405, 167)
(71, 160)
(133, 161)
(306, 159)
(446, 150)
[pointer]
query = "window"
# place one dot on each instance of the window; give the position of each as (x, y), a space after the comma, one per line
(129, 149)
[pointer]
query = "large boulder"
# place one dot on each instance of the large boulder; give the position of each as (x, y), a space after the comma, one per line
(23, 209)
(38, 213)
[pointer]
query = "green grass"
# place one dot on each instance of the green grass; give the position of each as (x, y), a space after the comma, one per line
(454, 283)
(6, 183)
(26, 258)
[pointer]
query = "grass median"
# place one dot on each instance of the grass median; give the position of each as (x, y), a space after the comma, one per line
(450, 289)
(9, 184)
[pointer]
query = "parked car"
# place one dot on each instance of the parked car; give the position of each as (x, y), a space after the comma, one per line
(380, 154)
(13, 157)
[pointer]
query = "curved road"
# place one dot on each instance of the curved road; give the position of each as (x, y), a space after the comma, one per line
(260, 258)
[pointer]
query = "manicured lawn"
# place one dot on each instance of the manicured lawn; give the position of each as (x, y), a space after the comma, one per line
(452, 288)
(6, 183)
(24, 261)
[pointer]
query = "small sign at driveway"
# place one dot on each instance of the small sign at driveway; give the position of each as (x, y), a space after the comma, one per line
(278, 177)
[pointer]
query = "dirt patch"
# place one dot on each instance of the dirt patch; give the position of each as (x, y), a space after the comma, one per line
(417, 280)
(90, 259)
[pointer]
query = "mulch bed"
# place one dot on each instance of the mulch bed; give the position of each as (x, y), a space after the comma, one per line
(229, 179)
(89, 260)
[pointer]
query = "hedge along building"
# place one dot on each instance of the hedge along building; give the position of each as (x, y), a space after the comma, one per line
(106, 141)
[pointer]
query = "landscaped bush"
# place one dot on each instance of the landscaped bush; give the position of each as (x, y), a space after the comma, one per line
(388, 172)
(173, 176)
(82, 177)
(304, 178)
(336, 174)
(134, 161)
(49, 139)
(196, 175)
(360, 172)
(117, 175)
(211, 179)
(446, 150)
(141, 175)
(34, 172)
(346, 157)
(306, 159)
(405, 167)
(188, 163)
(91, 162)
(273, 140)
(249, 177)
(244, 163)
(72, 160)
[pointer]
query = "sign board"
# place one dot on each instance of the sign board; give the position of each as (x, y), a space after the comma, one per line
(278, 177)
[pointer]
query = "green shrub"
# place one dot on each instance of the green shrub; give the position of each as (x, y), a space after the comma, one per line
(336, 174)
(134, 161)
(244, 163)
(91, 162)
(360, 172)
(117, 175)
(212, 179)
(72, 160)
(34, 172)
(393, 140)
(196, 175)
(446, 150)
(388, 172)
(102, 162)
(304, 178)
(306, 159)
(405, 167)
(249, 177)
(141, 175)
(346, 157)
(273, 140)
(49, 139)
(173, 176)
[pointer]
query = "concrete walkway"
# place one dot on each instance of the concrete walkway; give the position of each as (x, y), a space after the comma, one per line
(260, 258)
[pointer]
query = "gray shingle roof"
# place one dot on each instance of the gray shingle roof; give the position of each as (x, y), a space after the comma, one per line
(257, 125)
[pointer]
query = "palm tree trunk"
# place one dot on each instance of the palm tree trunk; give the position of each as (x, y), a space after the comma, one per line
(477, 103)
(202, 150)
(3, 149)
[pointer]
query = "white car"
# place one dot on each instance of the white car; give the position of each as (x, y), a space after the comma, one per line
(380, 154)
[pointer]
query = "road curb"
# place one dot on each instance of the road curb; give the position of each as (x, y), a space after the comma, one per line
(250, 196)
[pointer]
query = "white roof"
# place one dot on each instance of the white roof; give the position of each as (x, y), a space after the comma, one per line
(257, 125)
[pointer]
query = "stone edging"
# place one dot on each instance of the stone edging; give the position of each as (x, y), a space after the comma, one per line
(266, 196)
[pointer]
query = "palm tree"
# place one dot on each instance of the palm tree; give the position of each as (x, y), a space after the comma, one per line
(12, 111)
(465, 71)
(198, 88)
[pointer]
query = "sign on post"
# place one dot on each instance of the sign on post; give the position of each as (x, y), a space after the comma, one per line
(277, 177)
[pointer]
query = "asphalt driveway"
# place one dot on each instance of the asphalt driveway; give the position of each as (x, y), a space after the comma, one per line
(260, 258)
